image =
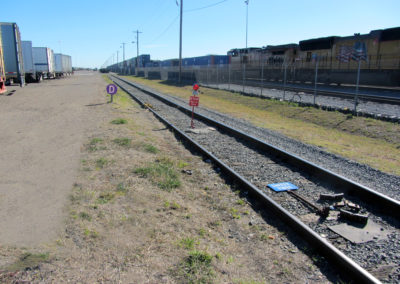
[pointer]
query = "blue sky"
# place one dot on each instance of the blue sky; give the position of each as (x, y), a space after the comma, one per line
(92, 31)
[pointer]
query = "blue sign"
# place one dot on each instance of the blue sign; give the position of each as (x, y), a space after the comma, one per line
(112, 89)
(283, 186)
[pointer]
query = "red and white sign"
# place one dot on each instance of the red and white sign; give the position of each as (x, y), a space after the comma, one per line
(194, 101)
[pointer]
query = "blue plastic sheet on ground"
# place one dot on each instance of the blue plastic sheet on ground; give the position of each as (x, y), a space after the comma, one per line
(282, 186)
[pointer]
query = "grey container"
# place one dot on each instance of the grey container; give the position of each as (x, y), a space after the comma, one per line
(62, 64)
(43, 59)
(29, 67)
(12, 53)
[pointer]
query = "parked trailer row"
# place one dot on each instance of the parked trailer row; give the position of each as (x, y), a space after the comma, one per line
(21, 62)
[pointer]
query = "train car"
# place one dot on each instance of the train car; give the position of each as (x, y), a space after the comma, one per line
(12, 53)
(2, 70)
(62, 65)
(378, 56)
(170, 63)
(29, 67)
(43, 58)
(208, 60)
(143, 59)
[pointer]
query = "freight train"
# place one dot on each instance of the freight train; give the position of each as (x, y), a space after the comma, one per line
(20, 62)
(337, 59)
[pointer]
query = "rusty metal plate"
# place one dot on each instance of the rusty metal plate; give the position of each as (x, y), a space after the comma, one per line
(360, 234)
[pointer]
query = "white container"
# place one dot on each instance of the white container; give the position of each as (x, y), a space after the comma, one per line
(43, 60)
(29, 67)
(62, 64)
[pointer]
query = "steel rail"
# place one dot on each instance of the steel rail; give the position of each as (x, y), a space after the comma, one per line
(348, 266)
(325, 92)
(386, 204)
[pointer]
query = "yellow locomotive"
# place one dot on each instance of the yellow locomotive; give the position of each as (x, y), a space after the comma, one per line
(378, 53)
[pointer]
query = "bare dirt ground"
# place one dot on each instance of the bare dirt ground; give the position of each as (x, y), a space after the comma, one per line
(141, 208)
(42, 128)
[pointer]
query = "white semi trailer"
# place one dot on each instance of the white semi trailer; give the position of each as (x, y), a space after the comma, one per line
(43, 59)
(63, 64)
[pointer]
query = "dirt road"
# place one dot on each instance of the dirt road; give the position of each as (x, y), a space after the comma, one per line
(41, 131)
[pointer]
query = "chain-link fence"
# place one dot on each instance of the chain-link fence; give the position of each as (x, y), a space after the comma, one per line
(275, 72)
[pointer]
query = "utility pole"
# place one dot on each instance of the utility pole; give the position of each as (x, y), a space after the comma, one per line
(137, 47)
(117, 61)
(123, 51)
(123, 57)
(180, 44)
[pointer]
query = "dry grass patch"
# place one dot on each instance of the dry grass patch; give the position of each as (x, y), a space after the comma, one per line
(369, 141)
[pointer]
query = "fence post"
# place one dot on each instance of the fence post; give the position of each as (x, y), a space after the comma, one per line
(229, 76)
(284, 81)
(358, 81)
(262, 74)
(208, 80)
(244, 75)
(316, 79)
(217, 76)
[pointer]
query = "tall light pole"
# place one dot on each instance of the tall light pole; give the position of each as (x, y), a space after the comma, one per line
(247, 18)
(244, 63)
(137, 48)
(180, 43)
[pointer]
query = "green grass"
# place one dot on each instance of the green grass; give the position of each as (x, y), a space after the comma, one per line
(105, 197)
(150, 148)
(93, 144)
(28, 261)
(122, 141)
(121, 188)
(188, 243)
(197, 268)
(119, 121)
(101, 162)
(162, 172)
(85, 216)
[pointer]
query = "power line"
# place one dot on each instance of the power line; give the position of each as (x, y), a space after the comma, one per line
(205, 7)
(169, 26)
(191, 10)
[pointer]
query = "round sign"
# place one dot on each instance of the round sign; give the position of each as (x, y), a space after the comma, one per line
(111, 89)
(195, 87)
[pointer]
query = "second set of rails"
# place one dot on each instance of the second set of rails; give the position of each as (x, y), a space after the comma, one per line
(254, 164)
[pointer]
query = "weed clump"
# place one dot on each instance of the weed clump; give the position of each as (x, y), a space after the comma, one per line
(150, 148)
(122, 141)
(28, 261)
(119, 121)
(162, 173)
(100, 163)
(197, 268)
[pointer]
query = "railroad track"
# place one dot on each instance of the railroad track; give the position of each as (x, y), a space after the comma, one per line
(394, 98)
(253, 164)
